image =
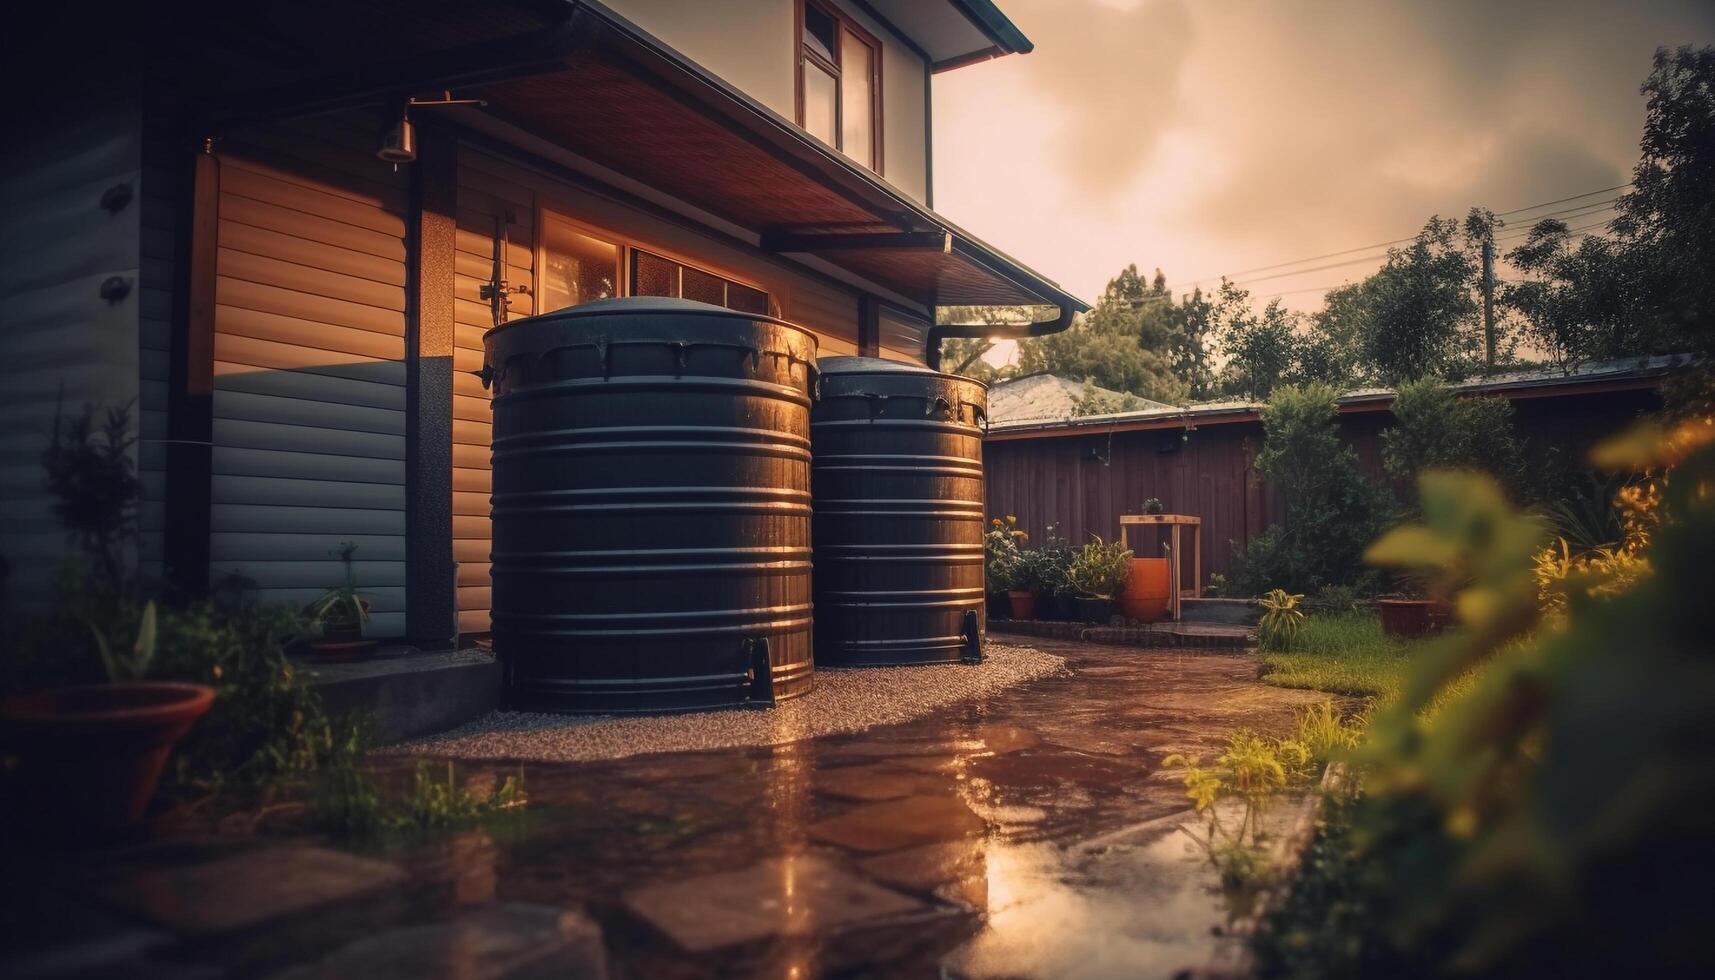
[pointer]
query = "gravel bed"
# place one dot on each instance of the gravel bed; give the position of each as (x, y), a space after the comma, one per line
(844, 701)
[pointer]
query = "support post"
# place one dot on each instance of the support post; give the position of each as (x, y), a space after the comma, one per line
(869, 327)
(431, 580)
(190, 396)
(1489, 301)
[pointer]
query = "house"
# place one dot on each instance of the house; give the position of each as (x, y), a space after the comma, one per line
(280, 231)
(1042, 396)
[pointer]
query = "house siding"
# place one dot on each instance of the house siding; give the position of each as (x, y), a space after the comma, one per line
(65, 344)
(309, 372)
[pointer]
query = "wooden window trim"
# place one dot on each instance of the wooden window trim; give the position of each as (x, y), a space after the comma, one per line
(554, 210)
(844, 22)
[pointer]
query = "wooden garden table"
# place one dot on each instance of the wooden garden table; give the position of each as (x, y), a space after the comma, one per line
(1175, 522)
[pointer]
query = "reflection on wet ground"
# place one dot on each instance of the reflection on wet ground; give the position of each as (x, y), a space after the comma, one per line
(1028, 834)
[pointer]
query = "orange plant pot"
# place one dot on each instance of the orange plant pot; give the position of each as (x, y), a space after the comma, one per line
(1023, 604)
(1147, 593)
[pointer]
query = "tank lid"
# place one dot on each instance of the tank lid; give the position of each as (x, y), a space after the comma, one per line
(644, 306)
(849, 364)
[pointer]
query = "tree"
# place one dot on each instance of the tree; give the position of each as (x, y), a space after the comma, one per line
(1259, 346)
(1419, 313)
(1123, 343)
(1189, 346)
(1667, 221)
(1579, 303)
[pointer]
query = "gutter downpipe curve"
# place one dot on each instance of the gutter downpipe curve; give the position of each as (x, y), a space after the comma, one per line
(948, 331)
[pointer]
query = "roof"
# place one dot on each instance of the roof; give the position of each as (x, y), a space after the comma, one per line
(952, 33)
(574, 79)
(1617, 375)
(1037, 397)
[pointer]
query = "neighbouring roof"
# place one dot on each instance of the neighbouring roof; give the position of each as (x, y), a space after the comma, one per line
(1596, 376)
(1036, 397)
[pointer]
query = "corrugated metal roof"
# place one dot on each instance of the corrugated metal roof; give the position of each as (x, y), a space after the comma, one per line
(1037, 397)
(1598, 372)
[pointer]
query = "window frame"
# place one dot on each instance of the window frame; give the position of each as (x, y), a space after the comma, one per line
(843, 23)
(627, 245)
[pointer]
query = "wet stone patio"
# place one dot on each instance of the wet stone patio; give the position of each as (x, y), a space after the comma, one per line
(1026, 833)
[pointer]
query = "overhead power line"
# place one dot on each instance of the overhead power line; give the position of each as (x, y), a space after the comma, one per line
(1207, 280)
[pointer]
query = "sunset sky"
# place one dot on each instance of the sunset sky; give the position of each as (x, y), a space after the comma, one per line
(1217, 137)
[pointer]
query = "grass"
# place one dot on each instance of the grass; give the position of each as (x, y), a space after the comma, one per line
(1341, 653)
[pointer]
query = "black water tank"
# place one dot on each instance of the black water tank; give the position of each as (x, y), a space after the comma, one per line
(898, 490)
(651, 507)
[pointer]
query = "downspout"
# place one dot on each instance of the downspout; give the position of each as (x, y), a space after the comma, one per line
(948, 331)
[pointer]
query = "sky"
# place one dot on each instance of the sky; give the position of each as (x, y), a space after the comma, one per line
(1211, 137)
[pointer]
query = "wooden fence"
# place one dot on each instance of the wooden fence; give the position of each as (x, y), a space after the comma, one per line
(1082, 478)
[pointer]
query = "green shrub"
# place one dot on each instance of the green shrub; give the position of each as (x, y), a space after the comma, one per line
(1331, 510)
(1281, 620)
(1437, 429)
(1100, 570)
(1334, 599)
(1052, 563)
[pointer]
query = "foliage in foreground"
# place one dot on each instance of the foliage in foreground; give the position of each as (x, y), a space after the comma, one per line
(1550, 821)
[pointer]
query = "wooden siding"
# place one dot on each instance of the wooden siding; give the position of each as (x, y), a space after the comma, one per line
(485, 193)
(1083, 483)
(309, 348)
(65, 344)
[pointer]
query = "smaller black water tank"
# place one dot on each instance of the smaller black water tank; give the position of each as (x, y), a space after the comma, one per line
(897, 484)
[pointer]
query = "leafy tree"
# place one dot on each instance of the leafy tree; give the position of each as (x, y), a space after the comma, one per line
(1667, 221)
(1259, 346)
(1123, 343)
(1419, 312)
(1578, 303)
(1191, 343)
(1095, 401)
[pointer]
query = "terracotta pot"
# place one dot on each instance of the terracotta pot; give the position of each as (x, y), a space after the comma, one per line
(89, 758)
(1023, 604)
(1147, 593)
(1413, 617)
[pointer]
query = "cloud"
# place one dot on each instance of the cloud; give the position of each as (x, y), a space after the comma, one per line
(1217, 136)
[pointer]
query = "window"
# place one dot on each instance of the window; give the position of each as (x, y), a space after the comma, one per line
(652, 275)
(581, 264)
(577, 267)
(839, 84)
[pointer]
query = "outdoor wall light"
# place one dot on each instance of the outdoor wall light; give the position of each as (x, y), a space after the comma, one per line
(398, 142)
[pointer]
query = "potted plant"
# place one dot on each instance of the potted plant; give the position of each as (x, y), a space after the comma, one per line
(1025, 582)
(1001, 554)
(1055, 597)
(1152, 505)
(1413, 612)
(90, 755)
(342, 611)
(1099, 572)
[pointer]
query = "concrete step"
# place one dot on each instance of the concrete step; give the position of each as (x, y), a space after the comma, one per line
(1230, 612)
(406, 692)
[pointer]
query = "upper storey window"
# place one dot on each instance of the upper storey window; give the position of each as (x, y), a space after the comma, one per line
(839, 84)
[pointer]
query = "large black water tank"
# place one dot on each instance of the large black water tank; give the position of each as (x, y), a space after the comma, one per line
(651, 507)
(898, 489)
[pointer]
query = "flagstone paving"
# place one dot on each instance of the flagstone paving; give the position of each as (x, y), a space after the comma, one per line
(1027, 833)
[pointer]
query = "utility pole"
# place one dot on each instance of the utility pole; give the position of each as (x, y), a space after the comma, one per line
(1489, 300)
